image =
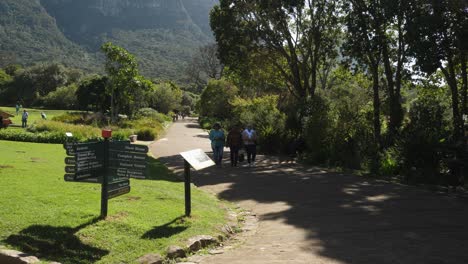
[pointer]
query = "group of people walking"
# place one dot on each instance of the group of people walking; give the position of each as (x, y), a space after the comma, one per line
(237, 139)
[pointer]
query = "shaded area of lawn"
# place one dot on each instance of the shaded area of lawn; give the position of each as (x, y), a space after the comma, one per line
(57, 243)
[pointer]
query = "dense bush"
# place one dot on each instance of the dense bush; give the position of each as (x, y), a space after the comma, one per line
(62, 98)
(215, 99)
(80, 132)
(337, 127)
(422, 139)
(152, 114)
(263, 114)
(146, 134)
(165, 97)
(25, 136)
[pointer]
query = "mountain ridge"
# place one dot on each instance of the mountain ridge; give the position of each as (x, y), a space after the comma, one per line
(163, 34)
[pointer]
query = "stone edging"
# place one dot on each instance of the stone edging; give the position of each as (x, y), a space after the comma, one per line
(242, 224)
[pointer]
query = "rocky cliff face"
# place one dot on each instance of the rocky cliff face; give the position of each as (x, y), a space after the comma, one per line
(94, 17)
(163, 34)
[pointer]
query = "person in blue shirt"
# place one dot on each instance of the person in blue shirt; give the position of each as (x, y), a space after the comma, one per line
(217, 138)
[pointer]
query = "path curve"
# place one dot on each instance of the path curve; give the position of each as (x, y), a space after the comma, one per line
(307, 215)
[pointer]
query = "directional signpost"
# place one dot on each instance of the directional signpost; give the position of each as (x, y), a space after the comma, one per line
(110, 163)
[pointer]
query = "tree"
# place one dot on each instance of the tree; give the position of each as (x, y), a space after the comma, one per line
(125, 85)
(91, 94)
(439, 41)
(377, 39)
(294, 36)
(205, 65)
(363, 45)
(215, 99)
(165, 97)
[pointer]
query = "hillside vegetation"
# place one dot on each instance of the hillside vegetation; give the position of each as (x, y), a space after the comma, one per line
(163, 34)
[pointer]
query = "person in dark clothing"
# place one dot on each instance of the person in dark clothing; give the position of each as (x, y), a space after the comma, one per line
(234, 142)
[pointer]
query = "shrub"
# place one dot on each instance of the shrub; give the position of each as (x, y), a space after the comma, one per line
(153, 114)
(263, 114)
(422, 138)
(215, 98)
(25, 136)
(317, 130)
(80, 132)
(62, 98)
(146, 134)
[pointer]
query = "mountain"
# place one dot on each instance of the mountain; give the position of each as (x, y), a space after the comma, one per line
(28, 34)
(163, 34)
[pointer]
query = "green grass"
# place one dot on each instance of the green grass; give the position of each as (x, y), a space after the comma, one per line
(34, 114)
(43, 215)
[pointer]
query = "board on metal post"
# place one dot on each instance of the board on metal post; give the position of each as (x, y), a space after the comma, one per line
(198, 160)
(105, 180)
(188, 198)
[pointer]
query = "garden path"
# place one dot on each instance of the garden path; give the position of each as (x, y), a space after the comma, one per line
(309, 215)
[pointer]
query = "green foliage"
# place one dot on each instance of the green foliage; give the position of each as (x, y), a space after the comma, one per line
(153, 114)
(146, 134)
(26, 136)
(293, 37)
(165, 97)
(215, 99)
(126, 87)
(207, 122)
(422, 138)
(91, 94)
(31, 84)
(62, 98)
(317, 130)
(80, 132)
(263, 114)
(338, 123)
(30, 35)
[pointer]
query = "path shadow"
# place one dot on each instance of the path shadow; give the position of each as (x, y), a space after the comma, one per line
(203, 136)
(167, 230)
(57, 243)
(347, 219)
(191, 125)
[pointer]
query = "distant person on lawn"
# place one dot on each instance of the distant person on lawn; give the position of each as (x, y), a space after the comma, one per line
(17, 108)
(24, 119)
(234, 142)
(249, 136)
(217, 143)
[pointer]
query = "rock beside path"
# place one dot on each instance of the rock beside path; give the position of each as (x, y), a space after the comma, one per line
(174, 252)
(150, 259)
(8, 256)
(198, 242)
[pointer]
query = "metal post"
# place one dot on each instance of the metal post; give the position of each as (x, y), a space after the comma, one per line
(105, 180)
(188, 199)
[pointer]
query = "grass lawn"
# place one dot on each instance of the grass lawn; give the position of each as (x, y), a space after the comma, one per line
(43, 215)
(34, 114)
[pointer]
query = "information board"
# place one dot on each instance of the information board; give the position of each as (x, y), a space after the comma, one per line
(197, 159)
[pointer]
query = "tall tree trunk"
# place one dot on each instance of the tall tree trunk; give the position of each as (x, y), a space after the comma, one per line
(392, 126)
(452, 83)
(464, 107)
(376, 105)
(377, 125)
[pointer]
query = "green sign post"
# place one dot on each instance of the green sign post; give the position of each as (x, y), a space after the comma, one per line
(109, 163)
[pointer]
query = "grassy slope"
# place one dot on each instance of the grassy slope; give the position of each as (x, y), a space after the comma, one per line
(55, 220)
(34, 114)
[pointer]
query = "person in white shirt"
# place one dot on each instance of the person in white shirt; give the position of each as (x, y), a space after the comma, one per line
(24, 119)
(249, 137)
